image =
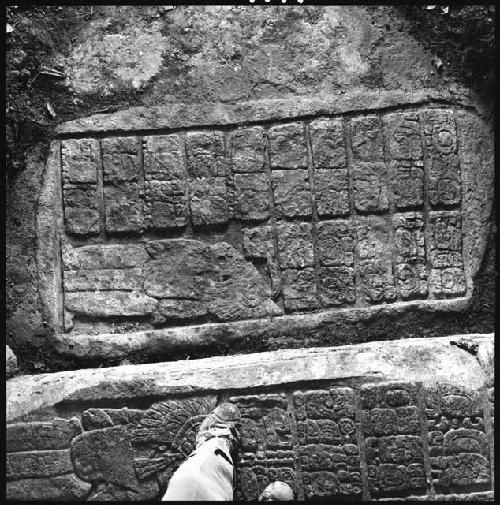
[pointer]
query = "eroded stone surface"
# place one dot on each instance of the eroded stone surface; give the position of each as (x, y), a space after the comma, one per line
(37, 436)
(207, 279)
(121, 159)
(25, 465)
(81, 209)
(253, 196)
(110, 303)
(247, 147)
(288, 146)
(63, 487)
(292, 196)
(209, 201)
(80, 161)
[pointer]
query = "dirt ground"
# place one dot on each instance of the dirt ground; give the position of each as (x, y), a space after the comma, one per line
(39, 97)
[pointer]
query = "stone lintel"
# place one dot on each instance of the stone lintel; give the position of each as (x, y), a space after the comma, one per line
(174, 116)
(425, 360)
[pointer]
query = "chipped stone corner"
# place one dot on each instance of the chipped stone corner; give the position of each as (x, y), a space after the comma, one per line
(10, 362)
(482, 346)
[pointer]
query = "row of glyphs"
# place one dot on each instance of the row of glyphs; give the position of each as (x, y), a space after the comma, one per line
(377, 441)
(332, 167)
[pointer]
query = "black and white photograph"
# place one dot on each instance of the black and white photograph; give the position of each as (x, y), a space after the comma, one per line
(250, 252)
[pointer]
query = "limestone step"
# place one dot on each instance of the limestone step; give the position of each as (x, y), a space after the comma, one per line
(170, 341)
(408, 418)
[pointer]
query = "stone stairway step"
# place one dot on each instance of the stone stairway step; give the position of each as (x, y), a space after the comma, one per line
(169, 341)
(408, 418)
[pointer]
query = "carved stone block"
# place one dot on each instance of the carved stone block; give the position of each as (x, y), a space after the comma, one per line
(403, 133)
(373, 238)
(445, 239)
(328, 451)
(208, 201)
(394, 451)
(442, 158)
(38, 464)
(295, 245)
(288, 148)
(266, 453)
(445, 253)
(375, 267)
(462, 470)
(124, 208)
(328, 145)
(407, 184)
(258, 241)
(121, 159)
(411, 265)
(449, 282)
(252, 195)
(165, 204)
(163, 158)
(80, 161)
(81, 210)
(458, 445)
(336, 243)
(444, 182)
(331, 192)
(206, 154)
(370, 187)
(247, 148)
(292, 196)
(336, 286)
(299, 289)
(366, 138)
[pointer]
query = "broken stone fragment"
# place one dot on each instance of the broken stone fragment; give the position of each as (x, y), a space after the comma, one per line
(10, 362)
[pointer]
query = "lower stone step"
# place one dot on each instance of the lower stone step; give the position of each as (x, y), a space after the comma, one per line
(410, 418)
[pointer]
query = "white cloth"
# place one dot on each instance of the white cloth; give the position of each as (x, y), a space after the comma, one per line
(205, 475)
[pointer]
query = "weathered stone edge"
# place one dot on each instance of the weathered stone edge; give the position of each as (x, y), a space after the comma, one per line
(181, 115)
(48, 250)
(168, 341)
(428, 361)
(477, 162)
